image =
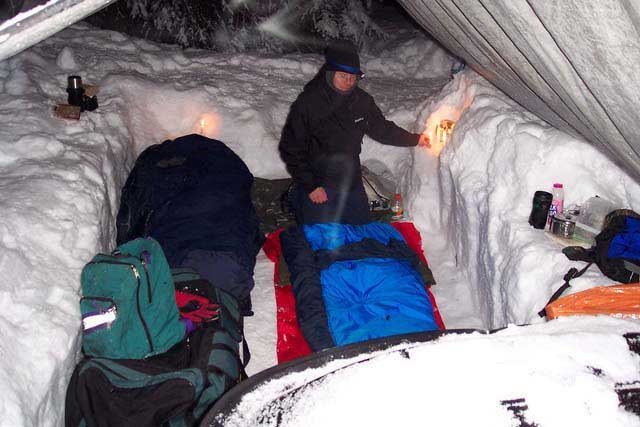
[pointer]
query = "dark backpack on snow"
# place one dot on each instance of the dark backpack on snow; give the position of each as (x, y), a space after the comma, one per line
(616, 251)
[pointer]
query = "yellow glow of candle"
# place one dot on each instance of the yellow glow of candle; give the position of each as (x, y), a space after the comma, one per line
(443, 131)
(202, 123)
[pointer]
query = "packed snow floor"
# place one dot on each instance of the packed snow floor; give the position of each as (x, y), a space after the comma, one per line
(61, 179)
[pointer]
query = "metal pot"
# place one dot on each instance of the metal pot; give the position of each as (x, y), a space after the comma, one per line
(563, 225)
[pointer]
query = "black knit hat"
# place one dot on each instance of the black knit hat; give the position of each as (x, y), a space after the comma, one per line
(343, 56)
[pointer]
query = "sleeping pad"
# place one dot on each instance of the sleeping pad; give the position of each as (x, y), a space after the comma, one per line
(356, 282)
(193, 195)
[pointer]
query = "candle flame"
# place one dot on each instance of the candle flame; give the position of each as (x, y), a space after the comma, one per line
(443, 129)
(440, 123)
(208, 125)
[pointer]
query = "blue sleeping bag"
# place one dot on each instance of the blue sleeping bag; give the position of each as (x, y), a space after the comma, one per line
(354, 283)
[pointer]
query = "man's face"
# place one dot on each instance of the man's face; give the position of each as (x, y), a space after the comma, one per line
(344, 81)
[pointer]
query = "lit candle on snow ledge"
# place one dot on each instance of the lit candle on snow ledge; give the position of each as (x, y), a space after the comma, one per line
(208, 125)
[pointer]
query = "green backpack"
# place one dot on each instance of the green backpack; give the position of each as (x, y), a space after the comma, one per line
(173, 389)
(128, 303)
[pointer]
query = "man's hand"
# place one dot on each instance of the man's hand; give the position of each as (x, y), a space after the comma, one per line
(318, 195)
(424, 141)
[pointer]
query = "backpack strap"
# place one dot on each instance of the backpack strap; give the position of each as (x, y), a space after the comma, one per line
(571, 274)
(578, 253)
(246, 354)
(234, 353)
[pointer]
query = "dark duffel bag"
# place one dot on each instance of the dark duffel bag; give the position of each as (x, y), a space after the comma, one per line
(175, 388)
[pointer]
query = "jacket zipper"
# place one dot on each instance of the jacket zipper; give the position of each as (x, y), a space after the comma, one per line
(146, 273)
(192, 383)
(144, 323)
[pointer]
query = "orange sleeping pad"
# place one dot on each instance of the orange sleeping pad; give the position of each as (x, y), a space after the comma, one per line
(616, 300)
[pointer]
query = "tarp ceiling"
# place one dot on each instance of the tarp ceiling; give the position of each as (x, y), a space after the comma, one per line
(24, 23)
(575, 63)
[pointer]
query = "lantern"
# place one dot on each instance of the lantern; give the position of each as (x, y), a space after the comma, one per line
(443, 132)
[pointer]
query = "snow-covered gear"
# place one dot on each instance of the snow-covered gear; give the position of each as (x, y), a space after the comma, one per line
(322, 137)
(128, 303)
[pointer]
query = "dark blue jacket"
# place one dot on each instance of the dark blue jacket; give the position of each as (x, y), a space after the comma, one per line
(322, 137)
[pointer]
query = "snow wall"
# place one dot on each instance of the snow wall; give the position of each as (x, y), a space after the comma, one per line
(575, 63)
(61, 179)
(472, 202)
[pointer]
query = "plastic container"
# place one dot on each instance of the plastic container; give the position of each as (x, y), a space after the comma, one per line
(557, 202)
(589, 222)
(397, 209)
(584, 233)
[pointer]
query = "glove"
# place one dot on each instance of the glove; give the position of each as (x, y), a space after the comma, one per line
(196, 308)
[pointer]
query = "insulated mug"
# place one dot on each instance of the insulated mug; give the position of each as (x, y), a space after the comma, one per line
(540, 209)
(75, 90)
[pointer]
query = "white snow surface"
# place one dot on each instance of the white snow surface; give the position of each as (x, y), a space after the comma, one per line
(61, 180)
(562, 373)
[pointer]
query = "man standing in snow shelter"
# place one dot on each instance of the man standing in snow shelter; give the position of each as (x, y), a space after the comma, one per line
(322, 137)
